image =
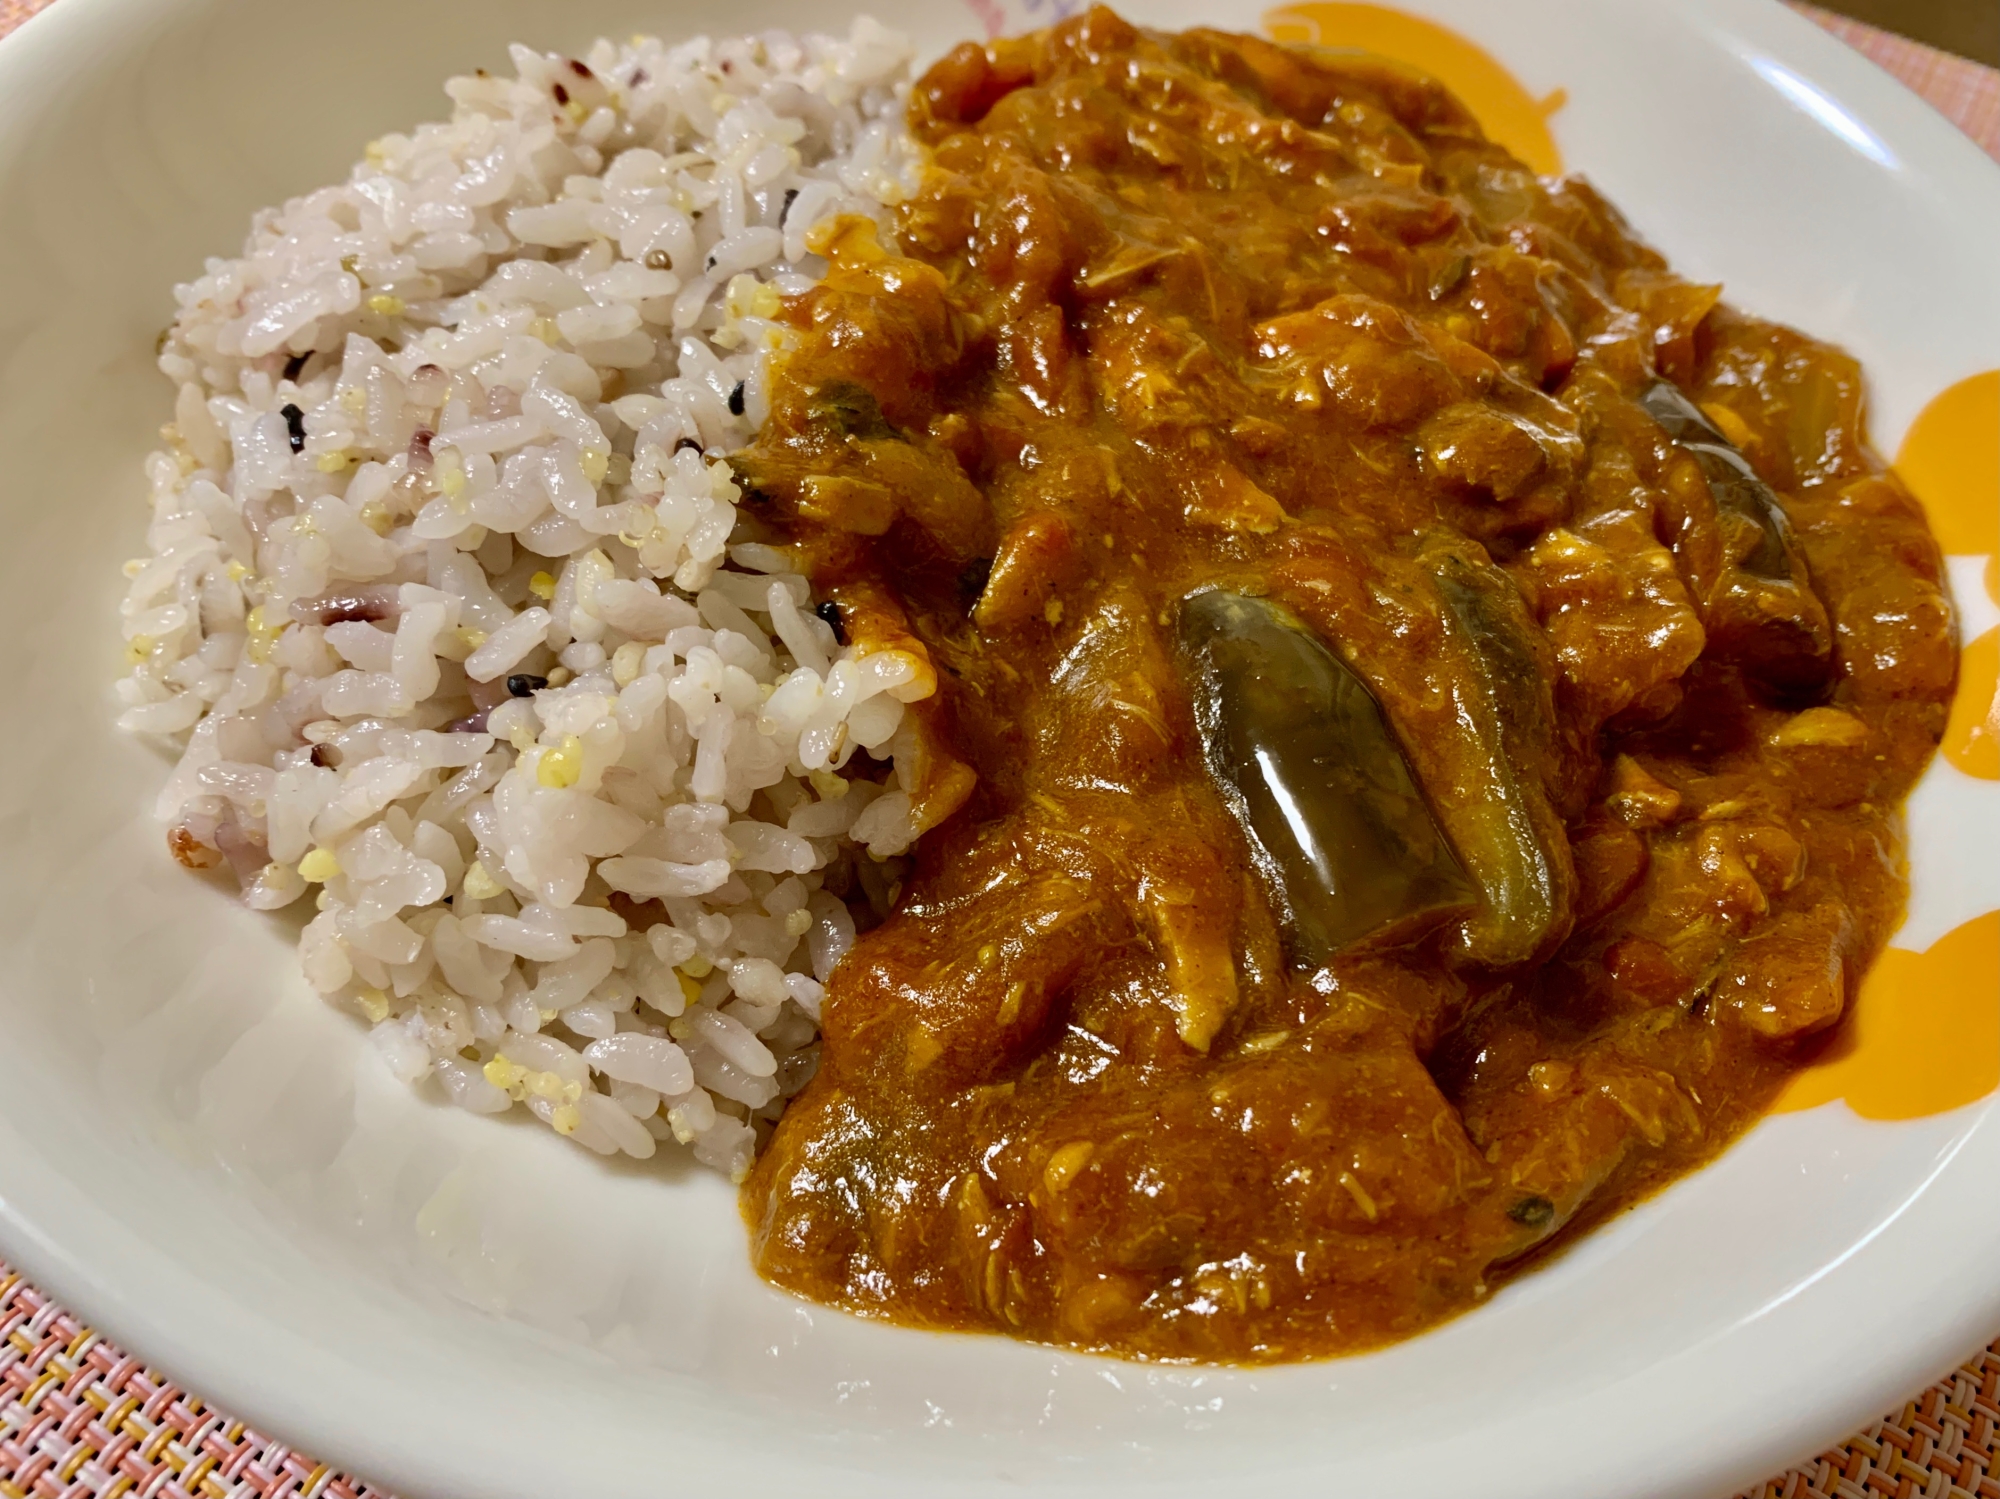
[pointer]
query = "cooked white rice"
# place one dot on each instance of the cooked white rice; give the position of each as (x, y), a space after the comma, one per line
(458, 421)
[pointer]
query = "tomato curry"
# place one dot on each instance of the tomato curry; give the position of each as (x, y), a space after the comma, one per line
(1424, 698)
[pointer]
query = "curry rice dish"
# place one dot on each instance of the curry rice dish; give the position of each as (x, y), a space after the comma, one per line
(1402, 705)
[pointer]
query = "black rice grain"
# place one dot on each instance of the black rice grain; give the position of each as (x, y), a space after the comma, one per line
(829, 611)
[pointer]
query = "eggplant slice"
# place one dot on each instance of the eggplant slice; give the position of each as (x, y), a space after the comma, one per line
(1763, 614)
(1309, 765)
(1502, 823)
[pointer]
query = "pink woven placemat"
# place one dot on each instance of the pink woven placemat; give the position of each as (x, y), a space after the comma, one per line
(81, 1419)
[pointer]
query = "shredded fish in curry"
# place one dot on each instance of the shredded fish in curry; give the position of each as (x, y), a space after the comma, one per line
(1425, 696)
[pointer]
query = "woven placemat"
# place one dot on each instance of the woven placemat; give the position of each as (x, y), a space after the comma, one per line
(82, 1419)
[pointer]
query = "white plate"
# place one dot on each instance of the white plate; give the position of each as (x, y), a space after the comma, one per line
(202, 1159)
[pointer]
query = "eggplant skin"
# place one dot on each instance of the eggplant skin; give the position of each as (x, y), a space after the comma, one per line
(1336, 822)
(1763, 614)
(1501, 820)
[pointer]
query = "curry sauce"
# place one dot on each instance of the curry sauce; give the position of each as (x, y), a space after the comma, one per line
(1424, 699)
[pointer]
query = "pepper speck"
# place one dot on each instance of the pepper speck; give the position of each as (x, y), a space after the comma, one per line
(525, 684)
(295, 426)
(736, 400)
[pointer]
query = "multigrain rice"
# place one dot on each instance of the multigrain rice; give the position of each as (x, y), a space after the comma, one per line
(448, 594)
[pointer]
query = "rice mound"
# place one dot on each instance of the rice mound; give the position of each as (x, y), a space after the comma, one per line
(449, 595)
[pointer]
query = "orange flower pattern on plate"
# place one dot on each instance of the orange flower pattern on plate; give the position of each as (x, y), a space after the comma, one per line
(1504, 108)
(1923, 1034)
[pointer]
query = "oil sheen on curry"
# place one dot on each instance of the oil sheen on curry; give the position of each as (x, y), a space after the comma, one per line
(1424, 700)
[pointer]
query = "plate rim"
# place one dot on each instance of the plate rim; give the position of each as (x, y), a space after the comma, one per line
(179, 1320)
